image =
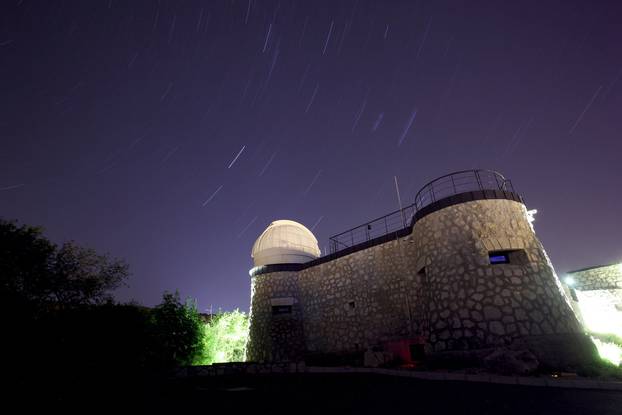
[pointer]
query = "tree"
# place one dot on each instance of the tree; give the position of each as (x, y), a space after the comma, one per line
(80, 276)
(35, 271)
(177, 331)
(25, 256)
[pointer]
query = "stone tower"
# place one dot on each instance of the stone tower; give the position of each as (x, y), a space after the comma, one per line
(461, 269)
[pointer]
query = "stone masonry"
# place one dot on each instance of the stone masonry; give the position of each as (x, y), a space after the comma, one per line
(598, 297)
(605, 277)
(437, 283)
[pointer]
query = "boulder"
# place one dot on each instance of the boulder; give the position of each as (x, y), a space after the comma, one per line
(376, 359)
(511, 362)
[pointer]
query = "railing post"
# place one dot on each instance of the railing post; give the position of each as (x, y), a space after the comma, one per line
(497, 181)
(453, 183)
(479, 181)
(386, 227)
(503, 186)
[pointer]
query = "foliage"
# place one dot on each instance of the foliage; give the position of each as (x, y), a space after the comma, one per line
(36, 272)
(176, 332)
(56, 309)
(108, 336)
(225, 336)
(608, 338)
(81, 276)
(25, 256)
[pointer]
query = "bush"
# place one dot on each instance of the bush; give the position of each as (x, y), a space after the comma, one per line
(176, 332)
(224, 339)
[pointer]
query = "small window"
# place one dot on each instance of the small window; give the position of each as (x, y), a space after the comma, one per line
(351, 305)
(281, 309)
(499, 257)
(417, 352)
(514, 256)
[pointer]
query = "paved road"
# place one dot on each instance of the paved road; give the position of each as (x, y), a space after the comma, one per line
(377, 394)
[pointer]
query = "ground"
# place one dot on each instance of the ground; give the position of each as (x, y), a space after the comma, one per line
(291, 394)
(377, 394)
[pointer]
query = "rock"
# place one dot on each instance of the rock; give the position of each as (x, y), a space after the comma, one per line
(536, 316)
(511, 362)
(375, 359)
(492, 313)
(444, 334)
(497, 328)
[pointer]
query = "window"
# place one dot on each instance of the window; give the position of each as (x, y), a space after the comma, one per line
(417, 352)
(350, 308)
(281, 309)
(515, 257)
(499, 257)
(282, 305)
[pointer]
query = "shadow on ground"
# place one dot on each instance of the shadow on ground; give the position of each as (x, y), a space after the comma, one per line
(377, 394)
(305, 393)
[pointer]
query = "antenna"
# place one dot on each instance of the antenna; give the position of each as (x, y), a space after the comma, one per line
(399, 201)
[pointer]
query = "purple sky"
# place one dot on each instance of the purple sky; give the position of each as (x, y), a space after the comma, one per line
(172, 133)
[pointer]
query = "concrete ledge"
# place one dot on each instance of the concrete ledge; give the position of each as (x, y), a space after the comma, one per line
(290, 368)
(481, 378)
(478, 378)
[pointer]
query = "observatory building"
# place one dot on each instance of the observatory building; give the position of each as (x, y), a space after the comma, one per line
(460, 269)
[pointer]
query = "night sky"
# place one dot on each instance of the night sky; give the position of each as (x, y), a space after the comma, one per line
(171, 134)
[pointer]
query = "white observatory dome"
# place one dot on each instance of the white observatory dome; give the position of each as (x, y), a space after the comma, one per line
(285, 242)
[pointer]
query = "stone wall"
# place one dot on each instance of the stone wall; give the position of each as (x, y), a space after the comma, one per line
(598, 278)
(599, 298)
(436, 283)
(473, 303)
(275, 337)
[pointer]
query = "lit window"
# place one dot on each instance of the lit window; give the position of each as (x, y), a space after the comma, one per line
(513, 256)
(499, 257)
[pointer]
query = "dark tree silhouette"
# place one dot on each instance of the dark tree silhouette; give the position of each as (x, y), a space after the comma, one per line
(35, 271)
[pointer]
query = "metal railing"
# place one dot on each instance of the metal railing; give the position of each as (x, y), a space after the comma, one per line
(440, 188)
(461, 182)
(376, 228)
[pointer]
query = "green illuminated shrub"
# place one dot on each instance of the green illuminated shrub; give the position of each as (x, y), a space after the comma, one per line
(176, 332)
(224, 339)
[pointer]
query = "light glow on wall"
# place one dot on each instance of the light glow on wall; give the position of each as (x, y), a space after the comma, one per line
(599, 312)
(531, 215)
(531, 218)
